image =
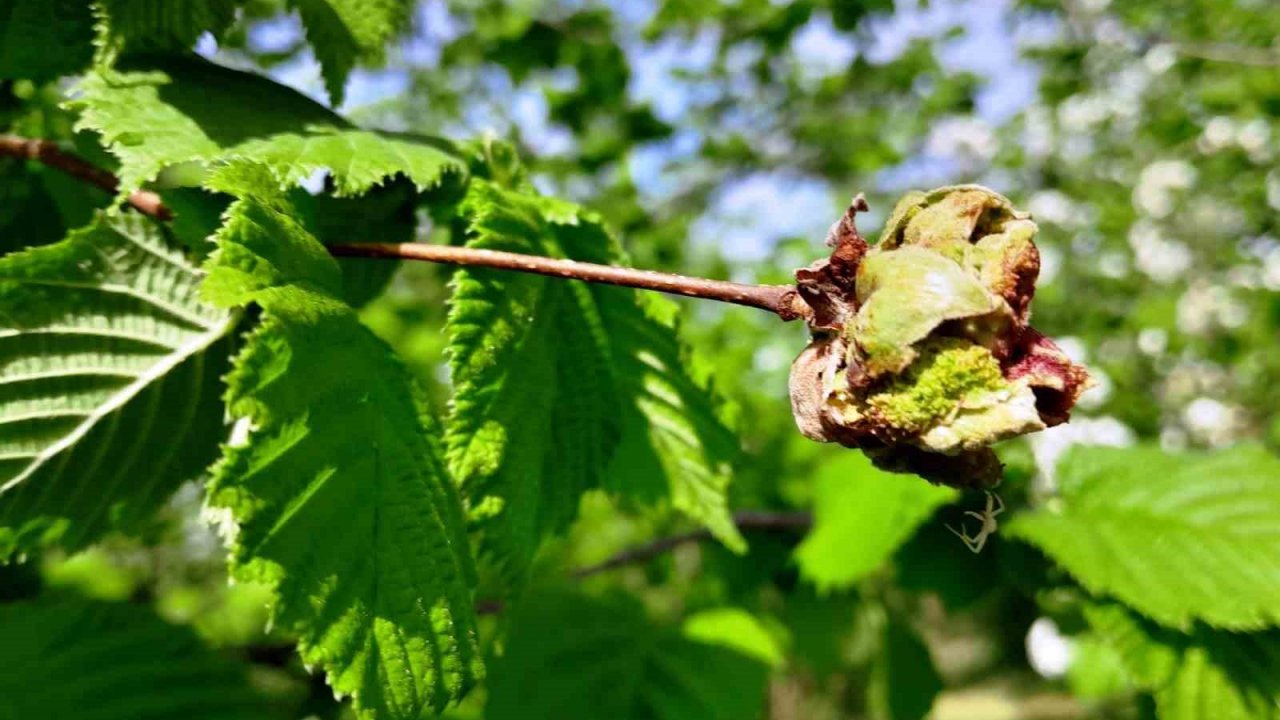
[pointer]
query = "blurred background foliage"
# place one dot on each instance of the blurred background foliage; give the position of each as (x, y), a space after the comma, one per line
(720, 139)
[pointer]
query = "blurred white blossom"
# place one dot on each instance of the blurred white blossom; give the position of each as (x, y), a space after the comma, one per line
(1048, 446)
(1160, 58)
(1079, 113)
(1074, 347)
(1161, 259)
(1153, 341)
(1052, 206)
(1113, 264)
(1048, 651)
(1253, 137)
(1218, 133)
(1153, 193)
(1273, 189)
(1271, 269)
(1204, 307)
(1098, 395)
(966, 136)
(1050, 263)
(1213, 422)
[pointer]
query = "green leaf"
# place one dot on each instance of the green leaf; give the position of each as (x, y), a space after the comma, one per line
(107, 661)
(162, 24)
(44, 39)
(675, 427)
(861, 515)
(904, 681)
(344, 32)
(1179, 537)
(735, 629)
(1207, 673)
(337, 491)
(109, 375)
(1097, 670)
(152, 118)
(552, 377)
(611, 662)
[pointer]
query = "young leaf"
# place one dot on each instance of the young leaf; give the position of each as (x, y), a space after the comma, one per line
(108, 661)
(610, 661)
(155, 117)
(1169, 534)
(1222, 675)
(553, 377)
(338, 495)
(861, 515)
(109, 382)
(344, 32)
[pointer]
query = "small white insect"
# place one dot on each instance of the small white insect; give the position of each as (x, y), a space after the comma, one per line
(987, 517)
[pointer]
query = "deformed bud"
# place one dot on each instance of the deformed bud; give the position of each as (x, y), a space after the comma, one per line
(921, 354)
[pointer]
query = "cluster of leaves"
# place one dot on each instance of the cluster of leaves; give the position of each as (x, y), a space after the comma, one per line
(136, 355)
(119, 338)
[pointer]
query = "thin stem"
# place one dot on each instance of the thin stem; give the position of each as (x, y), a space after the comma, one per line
(46, 152)
(780, 299)
(745, 520)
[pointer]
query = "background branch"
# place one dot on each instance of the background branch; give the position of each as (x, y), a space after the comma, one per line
(780, 299)
(746, 520)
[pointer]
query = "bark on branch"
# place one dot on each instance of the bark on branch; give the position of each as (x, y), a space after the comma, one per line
(780, 299)
(46, 152)
(746, 520)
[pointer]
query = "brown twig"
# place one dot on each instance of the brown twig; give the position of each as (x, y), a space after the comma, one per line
(780, 299)
(746, 520)
(46, 152)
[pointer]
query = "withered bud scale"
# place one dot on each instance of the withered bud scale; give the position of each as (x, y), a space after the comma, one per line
(921, 352)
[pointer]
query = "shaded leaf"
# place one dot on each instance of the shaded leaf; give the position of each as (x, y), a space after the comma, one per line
(610, 661)
(1206, 673)
(109, 382)
(1179, 537)
(904, 681)
(43, 39)
(67, 659)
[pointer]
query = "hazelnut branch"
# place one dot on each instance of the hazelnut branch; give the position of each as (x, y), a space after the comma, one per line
(46, 152)
(780, 299)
